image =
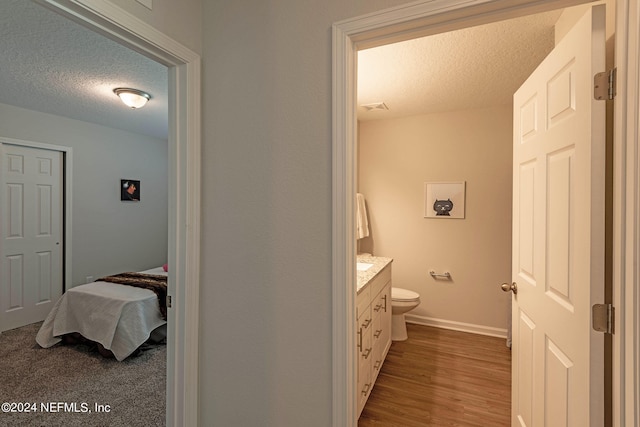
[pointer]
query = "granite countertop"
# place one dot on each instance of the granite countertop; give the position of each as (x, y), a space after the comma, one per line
(379, 263)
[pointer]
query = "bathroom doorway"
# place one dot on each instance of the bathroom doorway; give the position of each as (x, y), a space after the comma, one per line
(366, 36)
(448, 123)
(474, 144)
(469, 142)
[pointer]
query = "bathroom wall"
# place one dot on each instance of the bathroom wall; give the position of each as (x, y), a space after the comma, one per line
(396, 158)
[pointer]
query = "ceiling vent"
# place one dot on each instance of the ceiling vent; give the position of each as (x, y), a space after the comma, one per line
(376, 106)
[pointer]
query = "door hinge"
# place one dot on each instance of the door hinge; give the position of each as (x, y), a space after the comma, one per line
(604, 85)
(602, 318)
(168, 301)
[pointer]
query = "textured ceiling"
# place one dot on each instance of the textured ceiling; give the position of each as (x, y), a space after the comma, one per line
(53, 65)
(471, 68)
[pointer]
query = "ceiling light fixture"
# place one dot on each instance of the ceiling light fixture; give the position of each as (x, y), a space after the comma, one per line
(132, 98)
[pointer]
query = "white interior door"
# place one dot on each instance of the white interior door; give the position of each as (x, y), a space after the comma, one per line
(558, 234)
(31, 234)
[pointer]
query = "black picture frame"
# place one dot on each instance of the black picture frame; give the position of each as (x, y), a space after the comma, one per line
(130, 190)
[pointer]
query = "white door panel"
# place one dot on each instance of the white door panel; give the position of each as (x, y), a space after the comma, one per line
(31, 234)
(558, 234)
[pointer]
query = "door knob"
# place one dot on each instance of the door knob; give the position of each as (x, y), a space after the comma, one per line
(510, 287)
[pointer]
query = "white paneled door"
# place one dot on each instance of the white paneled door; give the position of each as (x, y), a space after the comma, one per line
(31, 245)
(558, 234)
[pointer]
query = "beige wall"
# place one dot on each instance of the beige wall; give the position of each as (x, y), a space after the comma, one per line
(396, 158)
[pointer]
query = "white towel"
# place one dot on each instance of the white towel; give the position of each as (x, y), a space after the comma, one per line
(362, 223)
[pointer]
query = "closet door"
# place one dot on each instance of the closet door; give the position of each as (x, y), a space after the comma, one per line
(31, 245)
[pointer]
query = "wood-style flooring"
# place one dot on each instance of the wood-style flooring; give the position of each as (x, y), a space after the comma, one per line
(439, 377)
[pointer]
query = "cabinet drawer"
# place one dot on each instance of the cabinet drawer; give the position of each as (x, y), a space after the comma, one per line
(377, 330)
(365, 379)
(364, 320)
(364, 384)
(380, 304)
(363, 300)
(380, 335)
(363, 329)
(366, 352)
(379, 281)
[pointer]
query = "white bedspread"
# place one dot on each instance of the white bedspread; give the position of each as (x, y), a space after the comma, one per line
(119, 317)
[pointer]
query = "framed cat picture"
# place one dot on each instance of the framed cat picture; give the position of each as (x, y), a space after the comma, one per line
(444, 200)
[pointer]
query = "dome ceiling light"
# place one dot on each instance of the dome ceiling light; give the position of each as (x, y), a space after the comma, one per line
(132, 98)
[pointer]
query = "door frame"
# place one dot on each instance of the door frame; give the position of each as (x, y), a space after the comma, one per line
(626, 217)
(104, 17)
(67, 195)
(429, 17)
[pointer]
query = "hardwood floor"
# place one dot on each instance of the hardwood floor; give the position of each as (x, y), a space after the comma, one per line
(442, 378)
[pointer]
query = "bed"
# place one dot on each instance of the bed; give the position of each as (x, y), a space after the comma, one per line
(119, 317)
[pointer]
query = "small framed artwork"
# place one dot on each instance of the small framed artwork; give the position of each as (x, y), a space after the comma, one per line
(130, 190)
(444, 199)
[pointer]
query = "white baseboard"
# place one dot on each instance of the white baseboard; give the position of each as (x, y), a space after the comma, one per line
(456, 326)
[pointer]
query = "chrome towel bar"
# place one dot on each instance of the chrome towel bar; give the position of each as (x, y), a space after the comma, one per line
(445, 275)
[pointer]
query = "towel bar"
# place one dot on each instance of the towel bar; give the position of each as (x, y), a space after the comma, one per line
(445, 275)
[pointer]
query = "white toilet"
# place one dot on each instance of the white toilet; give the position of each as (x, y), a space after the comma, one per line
(402, 300)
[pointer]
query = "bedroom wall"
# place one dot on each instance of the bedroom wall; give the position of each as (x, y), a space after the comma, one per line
(108, 236)
(396, 157)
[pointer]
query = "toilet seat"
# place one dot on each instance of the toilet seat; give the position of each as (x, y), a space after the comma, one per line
(399, 294)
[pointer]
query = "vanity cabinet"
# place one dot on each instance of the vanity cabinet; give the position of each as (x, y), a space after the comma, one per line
(373, 328)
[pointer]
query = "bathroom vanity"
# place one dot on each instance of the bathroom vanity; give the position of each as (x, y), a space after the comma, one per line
(373, 321)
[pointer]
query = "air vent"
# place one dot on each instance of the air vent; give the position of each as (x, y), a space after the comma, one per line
(376, 106)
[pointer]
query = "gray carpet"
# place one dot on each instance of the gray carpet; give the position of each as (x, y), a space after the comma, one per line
(81, 378)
